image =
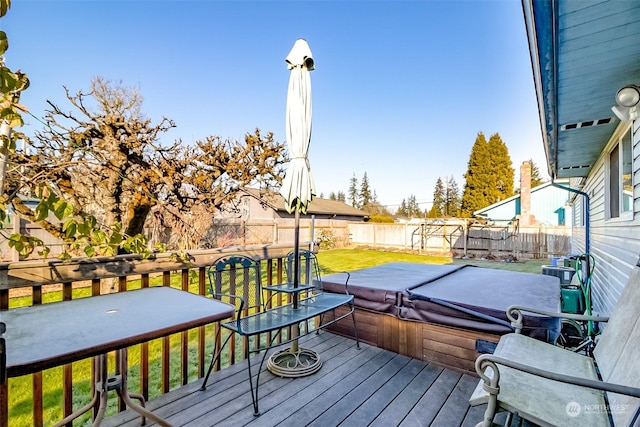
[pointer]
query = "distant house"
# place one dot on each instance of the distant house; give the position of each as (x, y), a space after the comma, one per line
(545, 204)
(257, 205)
(15, 224)
(261, 217)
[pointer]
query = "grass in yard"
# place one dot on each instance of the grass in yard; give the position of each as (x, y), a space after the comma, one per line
(336, 260)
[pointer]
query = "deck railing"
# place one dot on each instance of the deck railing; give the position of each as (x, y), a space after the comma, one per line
(155, 367)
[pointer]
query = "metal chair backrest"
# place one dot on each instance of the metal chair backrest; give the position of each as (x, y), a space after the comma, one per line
(236, 279)
(308, 269)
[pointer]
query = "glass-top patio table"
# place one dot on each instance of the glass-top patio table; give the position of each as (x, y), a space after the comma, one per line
(48, 335)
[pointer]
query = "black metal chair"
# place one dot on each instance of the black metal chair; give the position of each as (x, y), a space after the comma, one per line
(236, 280)
(308, 269)
(309, 275)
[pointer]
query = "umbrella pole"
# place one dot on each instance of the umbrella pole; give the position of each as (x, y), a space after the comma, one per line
(296, 276)
(294, 362)
(296, 259)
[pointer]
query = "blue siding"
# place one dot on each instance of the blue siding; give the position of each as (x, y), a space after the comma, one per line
(547, 205)
(501, 211)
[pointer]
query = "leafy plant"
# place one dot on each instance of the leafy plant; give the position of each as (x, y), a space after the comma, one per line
(326, 239)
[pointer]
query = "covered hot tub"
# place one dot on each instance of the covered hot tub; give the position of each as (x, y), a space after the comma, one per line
(475, 298)
(382, 288)
(461, 296)
(447, 314)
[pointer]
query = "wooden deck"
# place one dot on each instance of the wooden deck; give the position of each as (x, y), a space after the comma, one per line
(366, 387)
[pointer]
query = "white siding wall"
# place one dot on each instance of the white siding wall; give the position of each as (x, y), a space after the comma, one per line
(615, 244)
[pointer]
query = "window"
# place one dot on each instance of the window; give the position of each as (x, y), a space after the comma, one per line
(620, 178)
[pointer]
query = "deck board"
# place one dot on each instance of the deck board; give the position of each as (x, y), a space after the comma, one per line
(371, 408)
(409, 397)
(430, 403)
(450, 413)
(370, 386)
(359, 395)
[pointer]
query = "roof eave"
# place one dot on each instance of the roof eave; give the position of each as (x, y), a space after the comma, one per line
(540, 23)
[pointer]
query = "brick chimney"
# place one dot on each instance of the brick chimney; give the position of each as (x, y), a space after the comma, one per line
(526, 218)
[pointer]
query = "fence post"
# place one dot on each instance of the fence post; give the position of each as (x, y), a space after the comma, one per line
(515, 239)
(375, 243)
(542, 242)
(406, 230)
(465, 236)
(312, 231)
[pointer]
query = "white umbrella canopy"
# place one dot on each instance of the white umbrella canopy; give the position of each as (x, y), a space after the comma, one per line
(298, 187)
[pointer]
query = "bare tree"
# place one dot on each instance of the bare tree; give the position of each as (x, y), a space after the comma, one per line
(105, 158)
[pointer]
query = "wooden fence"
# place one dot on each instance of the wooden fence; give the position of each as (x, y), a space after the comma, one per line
(465, 238)
(438, 237)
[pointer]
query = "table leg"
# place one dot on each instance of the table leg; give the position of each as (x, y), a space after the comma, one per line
(126, 396)
(104, 384)
(99, 394)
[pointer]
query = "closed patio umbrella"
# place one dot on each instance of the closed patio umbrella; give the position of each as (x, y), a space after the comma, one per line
(297, 187)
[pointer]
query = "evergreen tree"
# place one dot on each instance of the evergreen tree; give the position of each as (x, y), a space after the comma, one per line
(414, 208)
(353, 192)
(365, 192)
(439, 199)
(536, 177)
(473, 196)
(332, 196)
(402, 209)
(433, 213)
(341, 197)
(410, 208)
(452, 198)
(502, 169)
(489, 176)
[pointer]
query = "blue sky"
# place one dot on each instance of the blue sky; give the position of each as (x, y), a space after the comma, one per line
(400, 89)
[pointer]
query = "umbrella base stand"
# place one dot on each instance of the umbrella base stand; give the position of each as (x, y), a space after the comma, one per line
(293, 364)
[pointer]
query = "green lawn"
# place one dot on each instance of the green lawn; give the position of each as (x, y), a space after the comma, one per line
(336, 260)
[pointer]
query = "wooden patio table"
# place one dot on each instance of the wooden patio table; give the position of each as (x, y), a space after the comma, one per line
(48, 335)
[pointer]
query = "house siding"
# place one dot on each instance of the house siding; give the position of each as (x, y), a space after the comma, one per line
(504, 211)
(614, 244)
(546, 200)
(545, 204)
